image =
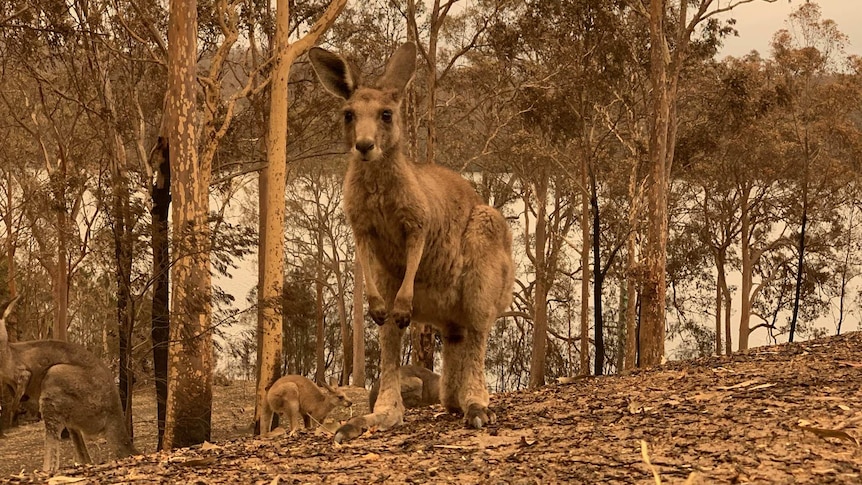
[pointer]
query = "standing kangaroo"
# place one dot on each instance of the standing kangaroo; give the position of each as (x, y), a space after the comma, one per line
(74, 389)
(432, 249)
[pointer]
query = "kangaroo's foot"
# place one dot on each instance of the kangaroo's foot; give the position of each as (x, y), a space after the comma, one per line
(478, 416)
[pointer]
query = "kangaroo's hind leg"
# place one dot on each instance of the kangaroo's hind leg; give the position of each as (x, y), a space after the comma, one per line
(487, 280)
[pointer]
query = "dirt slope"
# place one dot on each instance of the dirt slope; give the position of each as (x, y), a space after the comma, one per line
(785, 414)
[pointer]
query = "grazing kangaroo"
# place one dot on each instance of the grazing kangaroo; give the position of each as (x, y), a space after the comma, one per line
(419, 387)
(74, 389)
(296, 396)
(430, 247)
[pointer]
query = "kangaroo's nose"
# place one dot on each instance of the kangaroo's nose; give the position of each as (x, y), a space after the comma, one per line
(365, 146)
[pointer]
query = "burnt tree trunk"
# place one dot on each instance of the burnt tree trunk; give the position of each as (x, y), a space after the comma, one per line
(160, 332)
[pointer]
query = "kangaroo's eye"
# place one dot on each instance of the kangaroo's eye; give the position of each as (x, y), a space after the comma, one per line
(348, 116)
(386, 116)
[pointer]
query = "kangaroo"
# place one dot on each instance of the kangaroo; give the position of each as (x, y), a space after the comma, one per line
(419, 387)
(74, 389)
(296, 396)
(430, 247)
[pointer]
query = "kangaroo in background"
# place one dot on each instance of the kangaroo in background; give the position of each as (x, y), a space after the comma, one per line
(295, 396)
(429, 245)
(420, 387)
(74, 389)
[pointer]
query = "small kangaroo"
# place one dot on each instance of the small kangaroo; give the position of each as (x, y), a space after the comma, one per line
(295, 396)
(74, 389)
(419, 387)
(430, 247)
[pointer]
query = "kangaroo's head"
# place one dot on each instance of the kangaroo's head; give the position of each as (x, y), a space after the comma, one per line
(337, 397)
(372, 114)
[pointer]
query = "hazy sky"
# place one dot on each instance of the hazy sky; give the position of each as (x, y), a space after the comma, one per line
(756, 22)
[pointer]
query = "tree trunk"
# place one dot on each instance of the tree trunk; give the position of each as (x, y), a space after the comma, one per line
(320, 343)
(358, 326)
(747, 268)
(344, 325)
(189, 406)
(160, 333)
(845, 269)
(654, 286)
(630, 360)
(540, 296)
(8, 406)
(272, 182)
(598, 282)
(720, 284)
(585, 274)
(800, 263)
(422, 353)
(61, 270)
(125, 303)
(11, 267)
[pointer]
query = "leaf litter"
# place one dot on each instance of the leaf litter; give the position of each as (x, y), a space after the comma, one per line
(784, 414)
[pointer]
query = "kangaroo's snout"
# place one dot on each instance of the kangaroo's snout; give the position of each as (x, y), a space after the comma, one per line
(364, 147)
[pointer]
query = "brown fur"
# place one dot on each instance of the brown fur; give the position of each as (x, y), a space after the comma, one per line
(74, 389)
(431, 248)
(295, 396)
(419, 387)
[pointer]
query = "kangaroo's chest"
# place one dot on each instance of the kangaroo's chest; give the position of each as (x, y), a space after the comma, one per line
(386, 220)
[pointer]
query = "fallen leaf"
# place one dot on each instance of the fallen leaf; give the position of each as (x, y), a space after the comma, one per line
(196, 462)
(737, 386)
(568, 380)
(524, 443)
(830, 433)
(209, 446)
(761, 386)
(61, 479)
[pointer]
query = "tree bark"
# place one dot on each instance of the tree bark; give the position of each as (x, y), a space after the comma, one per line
(598, 282)
(189, 406)
(720, 284)
(585, 273)
(61, 269)
(747, 268)
(540, 296)
(272, 182)
(654, 286)
(272, 206)
(358, 325)
(320, 340)
(632, 278)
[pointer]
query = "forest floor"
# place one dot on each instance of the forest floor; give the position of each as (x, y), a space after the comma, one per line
(784, 414)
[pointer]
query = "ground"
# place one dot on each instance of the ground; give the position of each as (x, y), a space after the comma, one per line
(784, 414)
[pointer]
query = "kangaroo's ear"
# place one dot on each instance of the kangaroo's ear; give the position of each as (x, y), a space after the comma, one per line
(9, 308)
(334, 72)
(400, 68)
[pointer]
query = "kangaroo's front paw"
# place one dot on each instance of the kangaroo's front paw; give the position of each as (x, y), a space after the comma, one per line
(479, 416)
(401, 313)
(347, 432)
(376, 310)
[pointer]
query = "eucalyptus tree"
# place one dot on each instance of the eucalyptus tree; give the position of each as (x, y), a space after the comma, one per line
(672, 26)
(819, 107)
